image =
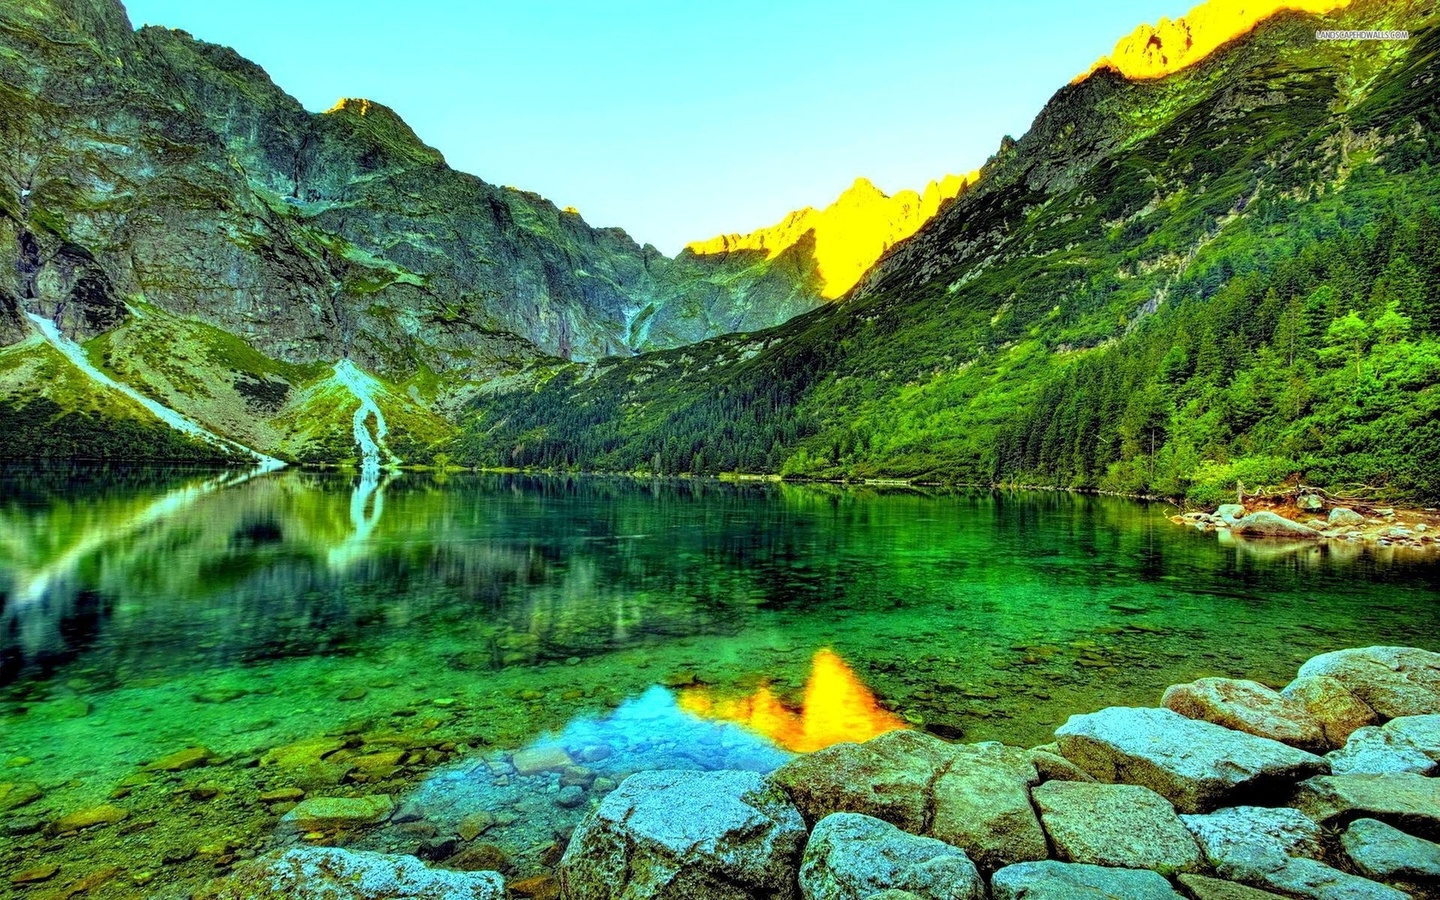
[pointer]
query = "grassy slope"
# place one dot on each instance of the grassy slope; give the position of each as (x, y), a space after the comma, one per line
(1027, 337)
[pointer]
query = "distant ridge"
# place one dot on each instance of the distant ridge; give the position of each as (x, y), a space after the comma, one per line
(851, 234)
(1153, 51)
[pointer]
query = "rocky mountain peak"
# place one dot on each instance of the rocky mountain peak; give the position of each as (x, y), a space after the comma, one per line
(1153, 51)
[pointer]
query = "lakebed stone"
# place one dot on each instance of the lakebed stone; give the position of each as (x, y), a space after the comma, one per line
(1247, 706)
(183, 760)
(104, 814)
(1393, 681)
(331, 813)
(534, 760)
(666, 835)
(853, 857)
(1203, 887)
(1195, 765)
(15, 794)
(327, 873)
(1051, 880)
(1120, 825)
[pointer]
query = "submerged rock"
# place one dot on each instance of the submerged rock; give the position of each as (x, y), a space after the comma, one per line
(853, 857)
(1121, 825)
(104, 814)
(1051, 880)
(687, 836)
(329, 813)
(326, 873)
(1247, 706)
(1389, 854)
(1393, 681)
(15, 794)
(1195, 765)
(1329, 702)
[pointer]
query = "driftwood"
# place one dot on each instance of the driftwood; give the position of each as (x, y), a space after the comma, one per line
(1360, 497)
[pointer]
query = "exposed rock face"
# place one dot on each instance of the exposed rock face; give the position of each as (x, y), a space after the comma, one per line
(1152, 51)
(852, 857)
(687, 836)
(1120, 825)
(1051, 880)
(1393, 681)
(1195, 765)
(327, 873)
(1247, 706)
(1389, 854)
(1329, 702)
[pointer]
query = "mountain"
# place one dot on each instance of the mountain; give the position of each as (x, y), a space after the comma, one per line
(845, 239)
(209, 243)
(1167, 285)
(1153, 51)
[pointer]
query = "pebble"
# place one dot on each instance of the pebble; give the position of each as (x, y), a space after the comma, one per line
(35, 875)
(104, 814)
(353, 694)
(570, 796)
(475, 825)
(282, 795)
(183, 760)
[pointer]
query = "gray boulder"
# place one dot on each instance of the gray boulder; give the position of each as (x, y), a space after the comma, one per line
(1051, 880)
(854, 857)
(1276, 849)
(1310, 502)
(889, 777)
(1389, 854)
(981, 803)
(1247, 706)
(1393, 681)
(1409, 801)
(1408, 744)
(328, 873)
(1203, 887)
(1330, 703)
(1120, 825)
(686, 836)
(1268, 524)
(1344, 517)
(1195, 765)
(1230, 512)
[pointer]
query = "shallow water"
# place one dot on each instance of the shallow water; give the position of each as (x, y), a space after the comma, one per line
(411, 632)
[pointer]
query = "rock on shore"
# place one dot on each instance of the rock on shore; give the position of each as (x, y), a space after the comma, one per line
(1139, 803)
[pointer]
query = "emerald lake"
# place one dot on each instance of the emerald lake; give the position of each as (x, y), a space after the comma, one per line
(406, 635)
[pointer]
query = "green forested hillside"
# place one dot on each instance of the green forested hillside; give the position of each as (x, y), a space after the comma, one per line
(1230, 273)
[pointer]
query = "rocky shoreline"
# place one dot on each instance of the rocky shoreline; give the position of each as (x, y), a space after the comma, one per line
(1312, 516)
(1226, 791)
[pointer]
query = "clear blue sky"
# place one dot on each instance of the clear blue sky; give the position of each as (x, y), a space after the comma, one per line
(680, 120)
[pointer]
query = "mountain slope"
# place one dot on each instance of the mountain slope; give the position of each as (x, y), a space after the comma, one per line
(150, 171)
(1165, 285)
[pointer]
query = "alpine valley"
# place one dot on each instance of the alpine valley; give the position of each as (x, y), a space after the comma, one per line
(1213, 258)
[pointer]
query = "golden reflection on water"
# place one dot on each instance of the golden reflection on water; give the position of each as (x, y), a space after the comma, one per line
(837, 707)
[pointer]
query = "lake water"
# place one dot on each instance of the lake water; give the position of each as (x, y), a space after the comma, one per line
(405, 636)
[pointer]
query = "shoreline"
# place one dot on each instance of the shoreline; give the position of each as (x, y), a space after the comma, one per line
(1226, 789)
(1311, 516)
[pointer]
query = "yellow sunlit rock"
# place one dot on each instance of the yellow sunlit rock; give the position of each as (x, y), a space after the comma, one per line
(851, 233)
(1153, 51)
(837, 707)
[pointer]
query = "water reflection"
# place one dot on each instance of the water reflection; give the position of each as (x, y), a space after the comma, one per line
(367, 505)
(837, 707)
(521, 800)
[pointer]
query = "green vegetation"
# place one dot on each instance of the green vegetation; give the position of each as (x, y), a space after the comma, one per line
(1247, 288)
